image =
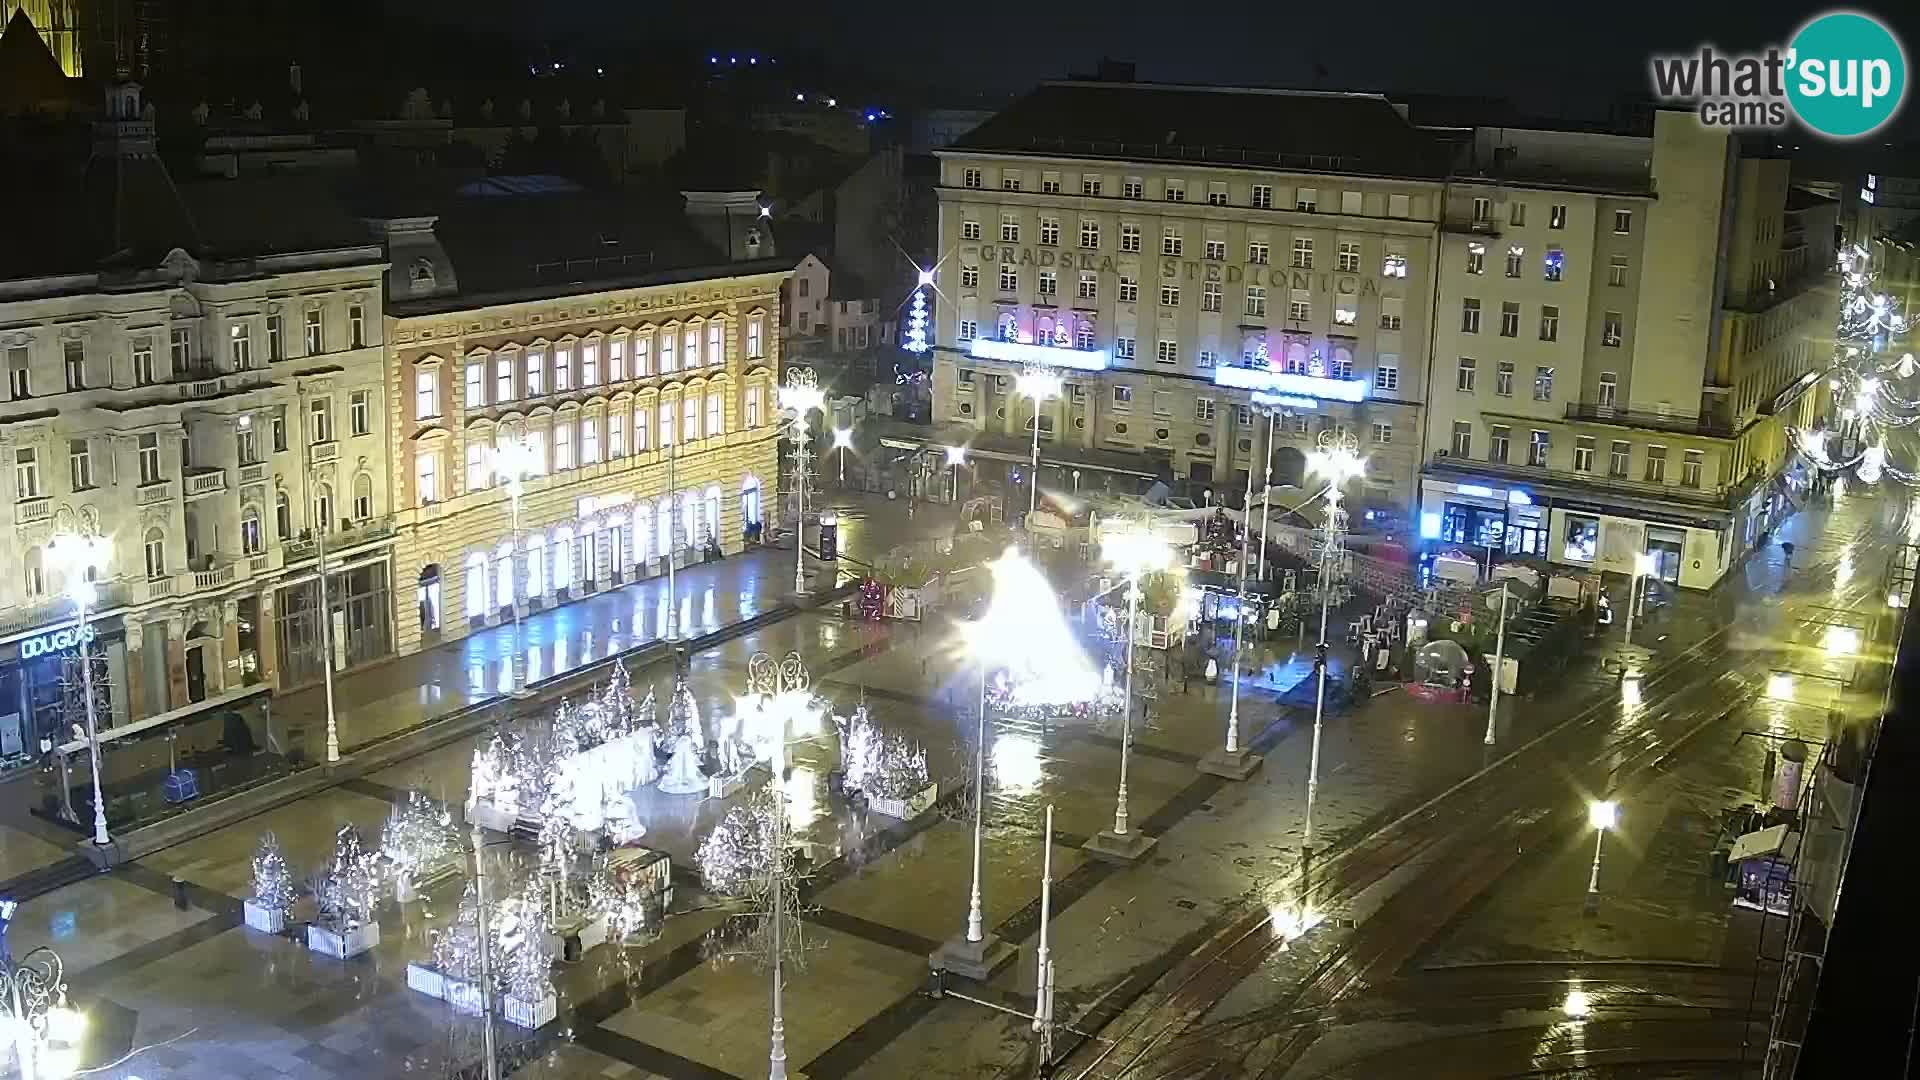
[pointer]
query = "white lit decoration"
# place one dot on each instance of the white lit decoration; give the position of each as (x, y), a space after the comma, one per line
(917, 318)
(1877, 407)
(1021, 352)
(878, 763)
(1025, 636)
(582, 763)
(419, 840)
(350, 886)
(272, 876)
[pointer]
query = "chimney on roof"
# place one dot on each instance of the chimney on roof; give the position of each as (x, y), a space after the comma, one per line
(736, 222)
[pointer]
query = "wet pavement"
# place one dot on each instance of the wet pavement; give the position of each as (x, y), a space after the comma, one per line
(1183, 952)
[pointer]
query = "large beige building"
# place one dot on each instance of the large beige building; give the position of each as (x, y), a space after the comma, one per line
(1626, 327)
(194, 373)
(1181, 254)
(640, 379)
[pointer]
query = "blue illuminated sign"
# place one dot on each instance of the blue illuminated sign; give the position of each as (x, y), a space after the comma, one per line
(1284, 382)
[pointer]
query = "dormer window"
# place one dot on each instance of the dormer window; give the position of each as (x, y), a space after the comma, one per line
(421, 276)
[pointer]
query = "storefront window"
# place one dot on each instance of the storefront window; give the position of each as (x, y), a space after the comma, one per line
(1467, 524)
(1582, 539)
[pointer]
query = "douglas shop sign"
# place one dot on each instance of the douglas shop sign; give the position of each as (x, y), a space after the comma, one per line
(54, 641)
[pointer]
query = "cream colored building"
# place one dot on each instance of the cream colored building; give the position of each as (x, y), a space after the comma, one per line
(644, 390)
(1626, 326)
(208, 414)
(1177, 252)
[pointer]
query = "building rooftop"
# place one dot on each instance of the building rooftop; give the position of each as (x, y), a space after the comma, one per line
(1303, 131)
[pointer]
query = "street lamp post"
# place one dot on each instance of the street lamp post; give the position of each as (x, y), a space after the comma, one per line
(800, 396)
(956, 457)
(484, 933)
(1602, 815)
(1231, 761)
(1134, 550)
(843, 441)
(46, 1030)
(1039, 384)
(513, 461)
(311, 436)
(1266, 487)
(1338, 460)
(785, 689)
(79, 558)
(1642, 567)
(1499, 664)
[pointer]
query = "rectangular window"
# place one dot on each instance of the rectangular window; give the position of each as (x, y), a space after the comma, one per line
(1498, 438)
(1482, 211)
(74, 360)
(589, 440)
(1216, 194)
(1516, 258)
(643, 356)
(1122, 399)
(240, 346)
(562, 446)
(1623, 222)
(426, 394)
(1503, 378)
(1382, 433)
(1617, 271)
(716, 415)
(1306, 199)
(1261, 197)
(1206, 358)
(1167, 352)
(1583, 453)
(1617, 456)
(1349, 257)
(1469, 316)
(1203, 410)
(1543, 384)
(755, 333)
(563, 366)
(1344, 314)
(1462, 438)
(1169, 296)
(641, 413)
(1129, 290)
(1539, 444)
(1611, 333)
(1009, 181)
(1050, 183)
(1509, 319)
(689, 417)
(1089, 234)
(969, 277)
(426, 475)
(1609, 385)
(360, 412)
(502, 380)
(1476, 258)
(1083, 337)
(1009, 278)
(320, 420)
(1123, 348)
(1656, 464)
(316, 336)
(590, 364)
(1256, 300)
(536, 373)
(80, 463)
(1050, 232)
(1258, 252)
(1554, 266)
(969, 230)
(144, 370)
(479, 471)
(1210, 296)
(357, 325)
(1517, 214)
(969, 329)
(1299, 305)
(1171, 242)
(1691, 462)
(476, 384)
(1549, 323)
(1049, 283)
(1386, 373)
(1089, 288)
(1176, 190)
(1303, 252)
(616, 360)
(1557, 216)
(276, 338)
(1090, 185)
(616, 434)
(279, 429)
(180, 349)
(1464, 375)
(1390, 309)
(1009, 228)
(970, 178)
(1129, 237)
(1215, 251)
(149, 456)
(26, 475)
(1133, 188)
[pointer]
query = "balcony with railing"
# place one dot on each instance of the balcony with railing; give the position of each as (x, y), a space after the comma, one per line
(33, 511)
(307, 545)
(1717, 427)
(109, 595)
(205, 481)
(1708, 495)
(154, 493)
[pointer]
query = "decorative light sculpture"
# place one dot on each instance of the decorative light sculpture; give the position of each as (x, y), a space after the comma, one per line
(46, 1030)
(917, 315)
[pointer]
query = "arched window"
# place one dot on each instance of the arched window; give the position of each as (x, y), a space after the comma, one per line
(421, 275)
(503, 575)
(323, 507)
(156, 550)
(536, 549)
(750, 501)
(667, 539)
(36, 571)
(282, 516)
(363, 497)
(562, 557)
(690, 518)
(252, 541)
(1296, 359)
(476, 584)
(713, 513)
(642, 530)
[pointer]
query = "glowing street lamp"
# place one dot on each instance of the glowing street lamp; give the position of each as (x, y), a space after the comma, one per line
(800, 396)
(785, 692)
(1133, 549)
(513, 461)
(956, 457)
(1602, 815)
(46, 1030)
(1039, 384)
(1337, 460)
(79, 558)
(843, 442)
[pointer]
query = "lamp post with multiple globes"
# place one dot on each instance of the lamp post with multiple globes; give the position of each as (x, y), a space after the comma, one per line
(1135, 550)
(79, 558)
(800, 396)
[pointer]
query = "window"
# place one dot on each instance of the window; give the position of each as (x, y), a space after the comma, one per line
(360, 412)
(1167, 352)
(1206, 358)
(1010, 181)
(1503, 378)
(1129, 289)
(589, 440)
(26, 474)
(1134, 188)
(1549, 323)
(1610, 332)
(716, 414)
(357, 325)
(1555, 264)
(1083, 337)
(1216, 251)
(1009, 229)
(1350, 202)
(1216, 194)
(155, 549)
(1509, 319)
(1517, 214)
(1122, 398)
(590, 357)
(1123, 348)
(1482, 211)
(1349, 257)
(1557, 216)
(755, 330)
(563, 361)
(1656, 464)
(1176, 190)
(1617, 271)
(74, 360)
(1690, 465)
(144, 373)
(1261, 197)
(1089, 234)
(276, 338)
(1256, 300)
(1090, 185)
(180, 348)
(1476, 258)
(1203, 410)
(1470, 316)
(1583, 538)
(1515, 256)
(502, 380)
(149, 457)
(362, 497)
(1049, 283)
(690, 417)
(1462, 438)
(316, 337)
(640, 414)
(1303, 252)
(616, 434)
(970, 178)
(1623, 221)
(617, 360)
(1258, 252)
(252, 542)
(1609, 384)
(1498, 437)
(1169, 296)
(320, 420)
(1543, 384)
(1390, 308)
(1583, 453)
(1050, 183)
(1009, 278)
(1344, 314)
(479, 469)
(562, 445)
(80, 463)
(476, 385)
(426, 478)
(1171, 242)
(1129, 237)
(426, 394)
(1210, 296)
(1617, 459)
(1162, 403)
(1089, 288)
(282, 516)
(1386, 373)
(1050, 232)
(1382, 433)
(969, 329)
(279, 428)
(536, 373)
(969, 230)
(1305, 199)
(1539, 443)
(1299, 305)
(1463, 376)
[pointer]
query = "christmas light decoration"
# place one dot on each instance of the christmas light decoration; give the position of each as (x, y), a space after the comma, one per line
(349, 888)
(1874, 386)
(419, 838)
(880, 764)
(272, 876)
(917, 321)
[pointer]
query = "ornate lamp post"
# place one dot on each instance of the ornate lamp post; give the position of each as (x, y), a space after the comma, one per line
(1602, 815)
(843, 442)
(1273, 413)
(46, 1030)
(513, 461)
(785, 690)
(801, 395)
(1338, 460)
(1133, 549)
(1232, 761)
(79, 558)
(1040, 384)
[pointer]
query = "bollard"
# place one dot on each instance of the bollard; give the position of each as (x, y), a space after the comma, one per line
(180, 894)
